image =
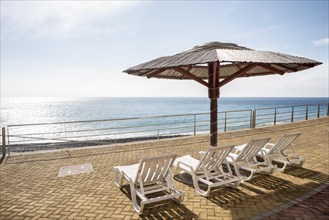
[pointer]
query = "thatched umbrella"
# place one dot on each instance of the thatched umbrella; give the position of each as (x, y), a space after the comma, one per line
(219, 64)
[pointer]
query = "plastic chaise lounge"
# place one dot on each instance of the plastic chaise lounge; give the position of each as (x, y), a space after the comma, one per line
(208, 169)
(276, 152)
(243, 157)
(151, 175)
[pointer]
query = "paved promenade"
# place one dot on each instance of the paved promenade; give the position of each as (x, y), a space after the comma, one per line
(31, 189)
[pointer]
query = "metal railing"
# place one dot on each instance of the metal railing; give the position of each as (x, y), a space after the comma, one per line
(39, 136)
(286, 114)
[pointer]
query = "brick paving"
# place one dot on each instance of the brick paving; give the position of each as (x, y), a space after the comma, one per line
(31, 189)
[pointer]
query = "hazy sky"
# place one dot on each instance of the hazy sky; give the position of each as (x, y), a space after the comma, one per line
(77, 49)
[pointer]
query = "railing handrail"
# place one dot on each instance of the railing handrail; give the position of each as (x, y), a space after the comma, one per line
(121, 119)
(106, 120)
(290, 106)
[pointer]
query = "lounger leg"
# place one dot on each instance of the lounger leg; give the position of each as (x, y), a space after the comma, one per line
(281, 169)
(246, 178)
(118, 177)
(179, 199)
(176, 170)
(172, 186)
(300, 164)
(169, 180)
(138, 209)
(195, 182)
(198, 189)
(237, 171)
(234, 185)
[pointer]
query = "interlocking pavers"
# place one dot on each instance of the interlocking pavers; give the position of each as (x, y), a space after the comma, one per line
(31, 189)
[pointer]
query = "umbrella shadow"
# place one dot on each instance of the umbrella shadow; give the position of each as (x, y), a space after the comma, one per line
(305, 173)
(167, 209)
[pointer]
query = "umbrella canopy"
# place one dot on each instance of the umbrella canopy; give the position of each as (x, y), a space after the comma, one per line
(219, 63)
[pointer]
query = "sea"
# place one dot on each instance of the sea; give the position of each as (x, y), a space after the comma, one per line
(72, 119)
(29, 110)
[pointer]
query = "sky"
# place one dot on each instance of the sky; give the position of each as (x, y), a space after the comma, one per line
(80, 48)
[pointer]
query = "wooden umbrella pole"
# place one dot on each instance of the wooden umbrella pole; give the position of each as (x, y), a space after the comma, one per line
(213, 122)
(213, 93)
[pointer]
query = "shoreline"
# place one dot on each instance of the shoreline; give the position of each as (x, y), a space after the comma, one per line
(37, 147)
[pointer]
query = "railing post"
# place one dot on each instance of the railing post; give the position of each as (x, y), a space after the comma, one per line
(274, 121)
(306, 116)
(292, 114)
(8, 137)
(253, 119)
(318, 110)
(65, 132)
(194, 132)
(225, 122)
(3, 133)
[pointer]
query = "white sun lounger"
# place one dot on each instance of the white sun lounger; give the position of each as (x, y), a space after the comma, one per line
(208, 169)
(275, 152)
(151, 175)
(244, 157)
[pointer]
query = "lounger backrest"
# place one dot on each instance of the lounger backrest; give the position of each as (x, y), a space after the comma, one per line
(213, 158)
(251, 149)
(284, 142)
(153, 169)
